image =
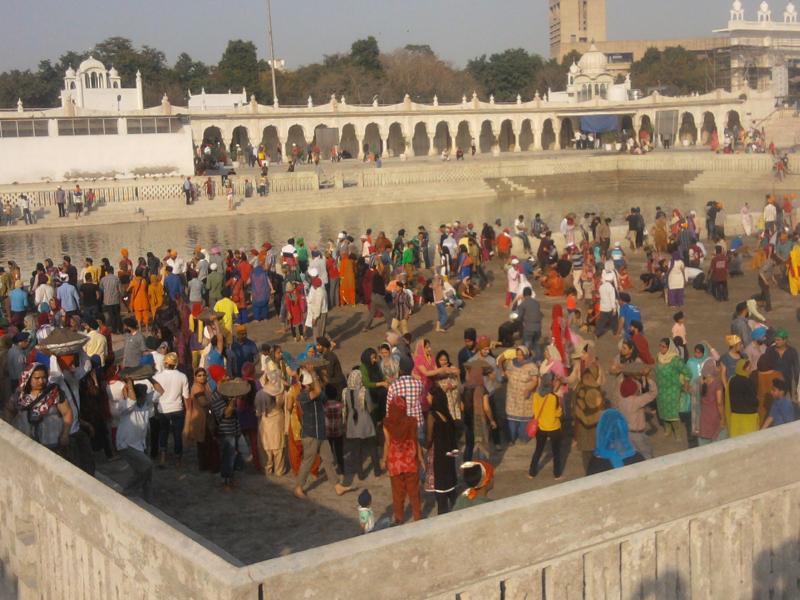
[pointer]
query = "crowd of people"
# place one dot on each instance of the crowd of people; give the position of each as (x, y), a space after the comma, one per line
(189, 368)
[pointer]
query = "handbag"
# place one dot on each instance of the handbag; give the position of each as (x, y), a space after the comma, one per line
(533, 425)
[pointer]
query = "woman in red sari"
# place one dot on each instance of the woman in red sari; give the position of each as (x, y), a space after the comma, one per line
(560, 333)
(347, 287)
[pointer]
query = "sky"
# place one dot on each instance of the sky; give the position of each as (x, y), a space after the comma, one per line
(305, 30)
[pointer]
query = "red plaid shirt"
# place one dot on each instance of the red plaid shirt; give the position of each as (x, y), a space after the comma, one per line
(411, 389)
(334, 419)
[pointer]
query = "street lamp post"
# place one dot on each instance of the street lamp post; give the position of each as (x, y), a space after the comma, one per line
(272, 54)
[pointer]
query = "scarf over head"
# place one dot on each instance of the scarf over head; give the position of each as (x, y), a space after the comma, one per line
(37, 405)
(666, 358)
(480, 471)
(399, 425)
(613, 442)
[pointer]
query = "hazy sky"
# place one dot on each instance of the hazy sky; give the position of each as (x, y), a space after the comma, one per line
(306, 29)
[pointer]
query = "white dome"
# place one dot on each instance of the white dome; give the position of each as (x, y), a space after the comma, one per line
(764, 6)
(70, 72)
(91, 64)
(574, 68)
(790, 8)
(593, 61)
(113, 72)
(737, 5)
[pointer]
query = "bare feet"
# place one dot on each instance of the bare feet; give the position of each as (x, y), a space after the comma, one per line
(299, 493)
(341, 490)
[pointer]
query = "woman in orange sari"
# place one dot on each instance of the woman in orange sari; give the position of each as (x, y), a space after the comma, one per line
(553, 283)
(294, 429)
(138, 300)
(155, 294)
(347, 287)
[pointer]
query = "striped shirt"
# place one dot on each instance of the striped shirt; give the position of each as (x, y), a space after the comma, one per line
(226, 426)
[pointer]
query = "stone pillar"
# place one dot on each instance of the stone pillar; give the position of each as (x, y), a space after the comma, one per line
(282, 137)
(359, 150)
(386, 150)
(453, 133)
(536, 130)
(431, 144)
(516, 129)
(122, 126)
(557, 130)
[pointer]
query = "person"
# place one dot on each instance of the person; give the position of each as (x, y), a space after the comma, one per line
(712, 423)
(785, 359)
(479, 479)
(135, 346)
(529, 312)
(672, 376)
(588, 379)
(614, 449)
(366, 518)
(223, 407)
(478, 415)
(269, 408)
(200, 423)
(402, 458)
(632, 398)
(171, 407)
(522, 376)
(718, 274)
(411, 390)
(138, 299)
(61, 201)
(360, 431)
(607, 319)
(403, 304)
(110, 287)
(41, 410)
(676, 280)
(742, 400)
(314, 442)
(374, 378)
(547, 412)
(782, 410)
(134, 411)
(442, 446)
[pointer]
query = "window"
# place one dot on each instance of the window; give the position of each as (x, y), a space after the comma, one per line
(154, 125)
(23, 128)
(87, 127)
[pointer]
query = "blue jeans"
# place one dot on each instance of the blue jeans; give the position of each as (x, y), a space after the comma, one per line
(260, 311)
(517, 430)
(171, 422)
(227, 448)
(242, 316)
(441, 313)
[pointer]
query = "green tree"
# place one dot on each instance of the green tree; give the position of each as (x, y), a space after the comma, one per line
(675, 69)
(424, 49)
(507, 73)
(190, 74)
(366, 54)
(238, 67)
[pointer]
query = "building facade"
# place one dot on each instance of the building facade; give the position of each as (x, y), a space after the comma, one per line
(575, 22)
(95, 88)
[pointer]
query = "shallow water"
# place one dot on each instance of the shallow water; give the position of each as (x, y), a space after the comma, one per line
(249, 231)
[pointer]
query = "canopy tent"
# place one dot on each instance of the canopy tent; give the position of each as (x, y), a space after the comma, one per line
(600, 123)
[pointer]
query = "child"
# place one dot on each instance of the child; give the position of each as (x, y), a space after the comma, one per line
(679, 334)
(572, 301)
(365, 517)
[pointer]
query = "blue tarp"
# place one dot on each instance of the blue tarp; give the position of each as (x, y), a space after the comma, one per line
(600, 123)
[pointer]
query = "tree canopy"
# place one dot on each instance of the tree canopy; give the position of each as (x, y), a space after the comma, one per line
(360, 75)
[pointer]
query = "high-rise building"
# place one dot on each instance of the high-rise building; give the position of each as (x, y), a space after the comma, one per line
(576, 21)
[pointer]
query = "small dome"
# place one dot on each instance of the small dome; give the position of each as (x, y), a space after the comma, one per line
(574, 69)
(593, 61)
(737, 5)
(113, 72)
(764, 6)
(70, 72)
(790, 8)
(91, 64)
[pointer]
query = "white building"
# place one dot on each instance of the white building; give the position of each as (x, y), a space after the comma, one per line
(95, 88)
(229, 101)
(591, 78)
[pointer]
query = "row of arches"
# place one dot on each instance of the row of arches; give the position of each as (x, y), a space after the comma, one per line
(553, 133)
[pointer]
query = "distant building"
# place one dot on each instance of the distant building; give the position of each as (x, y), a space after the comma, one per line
(591, 78)
(576, 22)
(204, 101)
(93, 87)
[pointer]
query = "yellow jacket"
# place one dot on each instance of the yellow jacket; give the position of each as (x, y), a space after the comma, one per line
(548, 410)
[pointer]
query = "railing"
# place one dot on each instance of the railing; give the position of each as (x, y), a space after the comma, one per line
(714, 522)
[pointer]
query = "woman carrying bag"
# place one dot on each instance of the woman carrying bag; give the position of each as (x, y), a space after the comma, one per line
(547, 416)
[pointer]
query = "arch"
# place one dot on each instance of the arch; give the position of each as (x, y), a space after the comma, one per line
(626, 124)
(566, 133)
(420, 144)
(212, 135)
(687, 133)
(271, 141)
(441, 139)
(646, 129)
(348, 142)
(239, 137)
(372, 138)
(526, 138)
(116, 85)
(295, 135)
(548, 135)
(396, 140)
(72, 85)
(506, 139)
(708, 128)
(463, 137)
(486, 138)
